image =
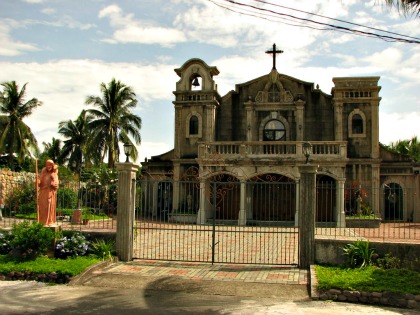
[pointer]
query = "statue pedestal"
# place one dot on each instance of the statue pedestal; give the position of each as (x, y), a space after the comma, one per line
(77, 216)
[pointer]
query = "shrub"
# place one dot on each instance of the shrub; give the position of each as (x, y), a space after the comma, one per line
(66, 198)
(31, 240)
(389, 261)
(103, 249)
(22, 199)
(72, 245)
(359, 254)
(413, 264)
(5, 246)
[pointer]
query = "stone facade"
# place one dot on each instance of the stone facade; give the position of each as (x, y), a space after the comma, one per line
(10, 180)
(257, 131)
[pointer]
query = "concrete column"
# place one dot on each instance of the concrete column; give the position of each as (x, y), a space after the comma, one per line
(338, 121)
(202, 213)
(297, 205)
(299, 120)
(125, 209)
(242, 212)
(375, 190)
(341, 216)
(175, 189)
(375, 130)
(249, 120)
(307, 215)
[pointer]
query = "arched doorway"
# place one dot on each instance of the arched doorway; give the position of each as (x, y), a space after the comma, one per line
(273, 198)
(225, 196)
(394, 202)
(164, 200)
(325, 198)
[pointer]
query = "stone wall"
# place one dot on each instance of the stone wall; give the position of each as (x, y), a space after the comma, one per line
(378, 298)
(10, 180)
(328, 251)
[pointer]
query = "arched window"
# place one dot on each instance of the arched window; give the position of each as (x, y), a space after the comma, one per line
(193, 125)
(357, 124)
(274, 130)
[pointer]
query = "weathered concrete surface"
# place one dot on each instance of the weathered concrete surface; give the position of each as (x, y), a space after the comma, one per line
(127, 294)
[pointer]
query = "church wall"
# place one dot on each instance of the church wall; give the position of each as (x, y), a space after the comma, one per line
(318, 111)
(307, 113)
(188, 144)
(319, 118)
(410, 185)
(358, 146)
(224, 118)
(238, 119)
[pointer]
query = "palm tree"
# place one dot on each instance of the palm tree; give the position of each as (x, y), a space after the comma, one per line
(406, 6)
(53, 150)
(77, 136)
(409, 147)
(15, 135)
(113, 121)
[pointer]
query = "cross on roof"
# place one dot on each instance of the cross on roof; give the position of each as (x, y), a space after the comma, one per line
(274, 51)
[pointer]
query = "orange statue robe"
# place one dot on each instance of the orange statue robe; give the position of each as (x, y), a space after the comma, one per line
(47, 202)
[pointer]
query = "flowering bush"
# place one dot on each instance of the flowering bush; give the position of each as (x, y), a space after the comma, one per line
(72, 245)
(5, 246)
(30, 240)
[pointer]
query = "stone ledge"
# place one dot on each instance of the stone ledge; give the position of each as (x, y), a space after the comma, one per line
(54, 277)
(363, 223)
(379, 298)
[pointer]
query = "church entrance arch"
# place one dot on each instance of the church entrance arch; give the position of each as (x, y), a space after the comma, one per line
(394, 202)
(225, 196)
(273, 198)
(325, 198)
(164, 199)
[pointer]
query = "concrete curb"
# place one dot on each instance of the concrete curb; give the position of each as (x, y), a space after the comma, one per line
(313, 282)
(85, 275)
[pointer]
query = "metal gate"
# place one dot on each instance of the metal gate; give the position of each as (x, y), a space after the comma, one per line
(239, 223)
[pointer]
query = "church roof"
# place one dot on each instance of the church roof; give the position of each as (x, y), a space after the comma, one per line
(213, 70)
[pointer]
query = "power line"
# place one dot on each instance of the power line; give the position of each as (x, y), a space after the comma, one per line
(334, 19)
(262, 12)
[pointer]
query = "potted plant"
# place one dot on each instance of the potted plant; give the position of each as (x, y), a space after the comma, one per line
(86, 217)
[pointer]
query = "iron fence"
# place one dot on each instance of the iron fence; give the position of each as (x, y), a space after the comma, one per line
(213, 222)
(390, 213)
(225, 220)
(80, 205)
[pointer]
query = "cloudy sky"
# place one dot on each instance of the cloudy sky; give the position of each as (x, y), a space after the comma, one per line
(65, 49)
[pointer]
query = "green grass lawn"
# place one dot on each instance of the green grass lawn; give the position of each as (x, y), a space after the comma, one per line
(371, 279)
(86, 214)
(71, 266)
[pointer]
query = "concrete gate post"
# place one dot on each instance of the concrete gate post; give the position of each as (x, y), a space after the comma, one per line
(307, 215)
(125, 209)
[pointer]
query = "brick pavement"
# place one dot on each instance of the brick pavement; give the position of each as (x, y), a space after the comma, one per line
(208, 272)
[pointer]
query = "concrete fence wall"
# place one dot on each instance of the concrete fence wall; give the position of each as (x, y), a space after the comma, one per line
(330, 251)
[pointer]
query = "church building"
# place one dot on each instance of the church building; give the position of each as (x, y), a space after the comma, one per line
(236, 157)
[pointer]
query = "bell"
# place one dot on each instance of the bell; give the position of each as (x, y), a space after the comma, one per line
(195, 82)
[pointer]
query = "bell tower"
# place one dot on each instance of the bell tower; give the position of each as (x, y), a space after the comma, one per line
(196, 103)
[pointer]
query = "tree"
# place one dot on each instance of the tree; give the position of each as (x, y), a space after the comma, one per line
(53, 150)
(113, 121)
(410, 147)
(15, 135)
(77, 136)
(406, 6)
